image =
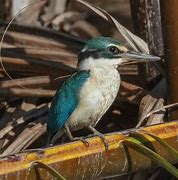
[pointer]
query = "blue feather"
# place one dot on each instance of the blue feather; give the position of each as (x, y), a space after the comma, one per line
(65, 101)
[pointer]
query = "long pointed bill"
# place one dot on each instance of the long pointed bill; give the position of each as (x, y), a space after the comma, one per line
(136, 57)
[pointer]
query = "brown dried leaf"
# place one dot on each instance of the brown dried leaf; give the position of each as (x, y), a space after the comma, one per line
(84, 29)
(27, 92)
(39, 81)
(131, 93)
(66, 17)
(160, 109)
(27, 137)
(151, 102)
(31, 113)
(147, 105)
(134, 41)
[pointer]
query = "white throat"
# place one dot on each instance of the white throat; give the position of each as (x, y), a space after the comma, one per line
(89, 64)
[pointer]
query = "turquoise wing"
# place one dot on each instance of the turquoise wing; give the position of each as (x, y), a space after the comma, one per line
(65, 101)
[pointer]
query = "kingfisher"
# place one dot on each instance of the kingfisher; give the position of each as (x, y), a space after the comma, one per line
(88, 93)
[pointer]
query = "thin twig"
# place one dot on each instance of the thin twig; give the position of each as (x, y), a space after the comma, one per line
(142, 120)
(2, 38)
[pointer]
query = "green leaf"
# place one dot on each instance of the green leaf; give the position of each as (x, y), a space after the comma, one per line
(160, 161)
(169, 148)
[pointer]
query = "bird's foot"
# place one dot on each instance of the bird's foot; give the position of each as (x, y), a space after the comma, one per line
(102, 136)
(69, 134)
(81, 139)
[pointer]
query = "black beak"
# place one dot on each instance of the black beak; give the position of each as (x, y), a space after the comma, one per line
(136, 57)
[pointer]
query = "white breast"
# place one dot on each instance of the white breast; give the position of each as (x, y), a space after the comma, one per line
(96, 96)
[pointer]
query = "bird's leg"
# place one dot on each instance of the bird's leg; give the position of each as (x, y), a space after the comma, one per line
(55, 138)
(69, 134)
(102, 136)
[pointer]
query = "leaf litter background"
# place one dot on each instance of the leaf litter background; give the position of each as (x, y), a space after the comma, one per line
(39, 52)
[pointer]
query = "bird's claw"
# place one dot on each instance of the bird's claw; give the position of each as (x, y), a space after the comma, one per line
(81, 139)
(103, 138)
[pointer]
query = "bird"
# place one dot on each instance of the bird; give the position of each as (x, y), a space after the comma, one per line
(88, 93)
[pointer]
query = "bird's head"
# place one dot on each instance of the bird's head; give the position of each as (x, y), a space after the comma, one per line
(105, 51)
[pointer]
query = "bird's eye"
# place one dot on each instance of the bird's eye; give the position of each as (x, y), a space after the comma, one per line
(113, 50)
